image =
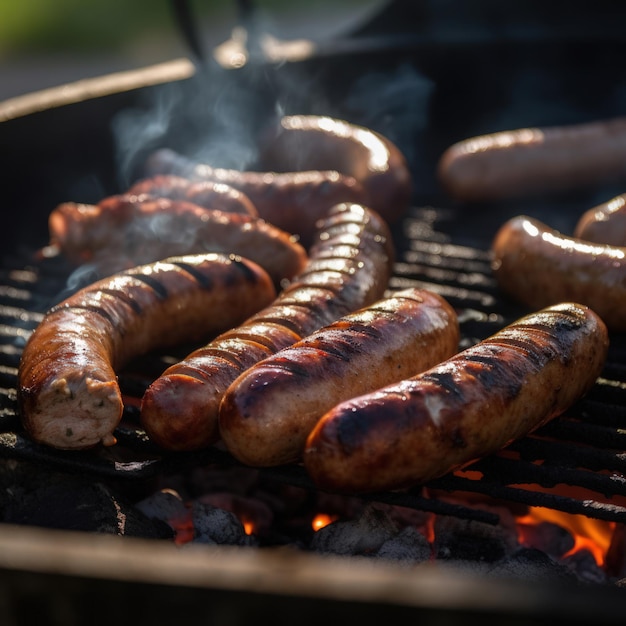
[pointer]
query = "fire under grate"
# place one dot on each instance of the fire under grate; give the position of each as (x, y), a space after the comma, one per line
(575, 464)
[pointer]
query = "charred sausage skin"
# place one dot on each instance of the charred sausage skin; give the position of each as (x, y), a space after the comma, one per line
(527, 161)
(539, 266)
(68, 393)
(469, 406)
(349, 267)
(269, 410)
(128, 230)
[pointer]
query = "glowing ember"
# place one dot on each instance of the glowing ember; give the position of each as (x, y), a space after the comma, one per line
(588, 534)
(183, 528)
(321, 520)
(248, 525)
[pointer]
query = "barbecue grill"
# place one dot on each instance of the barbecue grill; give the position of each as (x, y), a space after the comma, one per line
(524, 66)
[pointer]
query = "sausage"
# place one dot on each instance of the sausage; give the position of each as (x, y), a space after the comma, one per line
(605, 223)
(292, 201)
(349, 267)
(68, 394)
(467, 407)
(538, 266)
(312, 142)
(207, 194)
(268, 411)
(528, 161)
(127, 230)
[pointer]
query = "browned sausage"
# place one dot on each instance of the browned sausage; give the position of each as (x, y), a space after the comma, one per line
(465, 408)
(312, 142)
(349, 267)
(128, 230)
(208, 194)
(268, 411)
(528, 161)
(291, 201)
(539, 266)
(68, 392)
(605, 223)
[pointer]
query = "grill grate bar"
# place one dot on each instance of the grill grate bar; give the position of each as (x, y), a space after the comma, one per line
(581, 449)
(495, 489)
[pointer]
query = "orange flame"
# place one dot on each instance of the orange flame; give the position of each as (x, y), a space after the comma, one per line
(321, 520)
(248, 525)
(590, 534)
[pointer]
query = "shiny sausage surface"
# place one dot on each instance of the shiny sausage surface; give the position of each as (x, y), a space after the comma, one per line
(349, 267)
(312, 142)
(128, 230)
(528, 161)
(467, 407)
(605, 223)
(68, 393)
(269, 410)
(207, 194)
(538, 266)
(292, 201)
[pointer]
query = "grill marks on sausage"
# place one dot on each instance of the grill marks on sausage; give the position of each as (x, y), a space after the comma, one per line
(268, 411)
(471, 405)
(68, 393)
(178, 413)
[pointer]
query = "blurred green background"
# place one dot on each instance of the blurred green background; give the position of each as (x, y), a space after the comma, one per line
(89, 25)
(48, 42)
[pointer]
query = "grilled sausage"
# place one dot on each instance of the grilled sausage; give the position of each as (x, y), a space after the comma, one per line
(311, 142)
(349, 267)
(538, 266)
(269, 410)
(292, 201)
(605, 223)
(208, 194)
(528, 161)
(128, 230)
(465, 408)
(68, 393)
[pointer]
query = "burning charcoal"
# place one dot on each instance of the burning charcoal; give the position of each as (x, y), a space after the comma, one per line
(584, 565)
(364, 535)
(165, 505)
(216, 526)
(471, 540)
(548, 537)
(86, 506)
(532, 565)
(408, 546)
(248, 510)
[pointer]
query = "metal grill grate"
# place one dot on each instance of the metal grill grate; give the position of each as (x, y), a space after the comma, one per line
(575, 464)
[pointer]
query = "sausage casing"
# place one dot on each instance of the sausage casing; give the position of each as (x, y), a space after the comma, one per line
(313, 142)
(269, 410)
(349, 267)
(604, 223)
(292, 201)
(469, 406)
(207, 194)
(527, 161)
(127, 230)
(539, 266)
(67, 389)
